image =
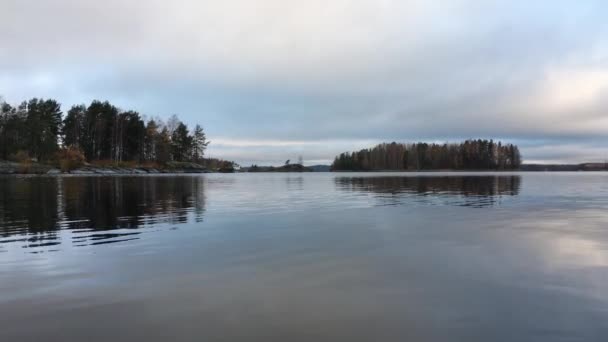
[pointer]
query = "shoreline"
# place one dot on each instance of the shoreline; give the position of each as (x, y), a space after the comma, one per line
(33, 168)
(14, 168)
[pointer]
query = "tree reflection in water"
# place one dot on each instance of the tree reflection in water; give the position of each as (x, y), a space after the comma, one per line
(471, 191)
(96, 210)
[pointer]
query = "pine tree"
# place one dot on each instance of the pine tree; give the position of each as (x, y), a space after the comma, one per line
(151, 138)
(73, 126)
(101, 131)
(43, 121)
(199, 143)
(181, 143)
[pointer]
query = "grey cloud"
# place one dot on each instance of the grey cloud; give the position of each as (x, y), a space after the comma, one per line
(341, 72)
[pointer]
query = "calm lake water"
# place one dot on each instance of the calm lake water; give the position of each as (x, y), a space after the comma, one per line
(305, 257)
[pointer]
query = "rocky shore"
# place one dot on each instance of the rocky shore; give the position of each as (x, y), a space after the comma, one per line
(8, 168)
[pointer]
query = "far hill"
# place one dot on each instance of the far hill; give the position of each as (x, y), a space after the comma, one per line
(320, 168)
(565, 167)
(284, 168)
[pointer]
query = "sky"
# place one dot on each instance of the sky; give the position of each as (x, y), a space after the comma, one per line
(271, 80)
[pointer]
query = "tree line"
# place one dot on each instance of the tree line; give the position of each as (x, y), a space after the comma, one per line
(468, 155)
(38, 129)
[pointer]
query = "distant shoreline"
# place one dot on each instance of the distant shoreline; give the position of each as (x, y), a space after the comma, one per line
(565, 167)
(14, 168)
(585, 167)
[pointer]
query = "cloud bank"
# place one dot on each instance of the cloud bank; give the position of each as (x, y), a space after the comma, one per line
(273, 79)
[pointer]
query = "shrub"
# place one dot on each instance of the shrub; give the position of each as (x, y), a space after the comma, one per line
(70, 158)
(20, 157)
(24, 160)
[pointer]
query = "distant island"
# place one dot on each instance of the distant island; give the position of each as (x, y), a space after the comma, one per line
(284, 168)
(468, 155)
(320, 168)
(565, 167)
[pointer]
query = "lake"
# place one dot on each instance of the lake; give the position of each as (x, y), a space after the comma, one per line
(305, 257)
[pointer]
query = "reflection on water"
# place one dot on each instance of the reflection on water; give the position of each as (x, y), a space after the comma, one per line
(468, 191)
(354, 257)
(96, 210)
(39, 212)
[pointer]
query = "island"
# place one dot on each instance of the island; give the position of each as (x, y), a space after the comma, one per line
(37, 138)
(477, 154)
(288, 167)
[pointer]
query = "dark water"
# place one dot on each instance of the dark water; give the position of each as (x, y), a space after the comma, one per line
(312, 257)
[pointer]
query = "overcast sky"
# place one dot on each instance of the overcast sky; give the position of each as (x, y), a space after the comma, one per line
(273, 79)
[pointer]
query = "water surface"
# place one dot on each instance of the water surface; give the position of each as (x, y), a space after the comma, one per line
(305, 257)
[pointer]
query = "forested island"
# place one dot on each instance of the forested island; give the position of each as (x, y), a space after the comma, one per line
(468, 155)
(99, 135)
(36, 136)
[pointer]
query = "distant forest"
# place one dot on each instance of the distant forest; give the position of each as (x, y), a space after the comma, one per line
(469, 155)
(37, 129)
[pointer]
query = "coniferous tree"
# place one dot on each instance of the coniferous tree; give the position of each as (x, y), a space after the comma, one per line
(43, 121)
(181, 143)
(151, 139)
(469, 155)
(199, 143)
(12, 128)
(73, 126)
(96, 132)
(128, 136)
(100, 120)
